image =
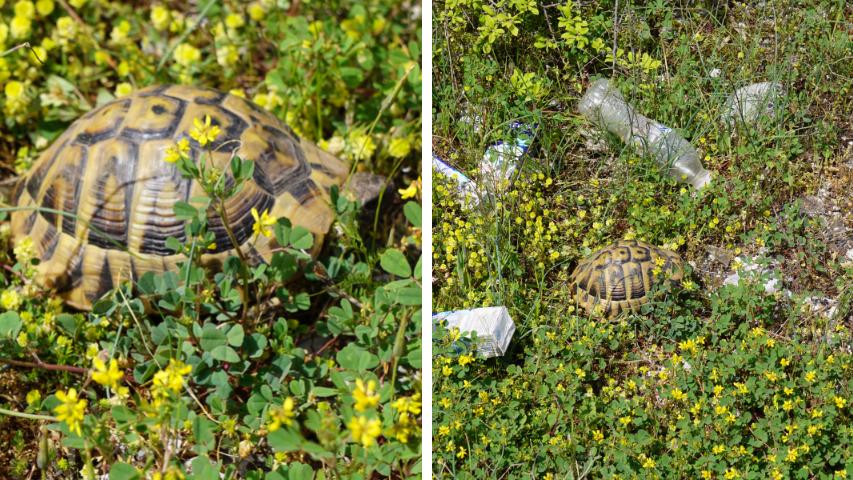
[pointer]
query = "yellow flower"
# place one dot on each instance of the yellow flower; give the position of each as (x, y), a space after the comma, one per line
(120, 32)
(811, 375)
(256, 11)
(186, 55)
(178, 151)
(44, 7)
(364, 431)
(411, 191)
(25, 8)
(263, 223)
(10, 299)
(283, 415)
(204, 133)
(238, 92)
(678, 395)
(365, 395)
(107, 376)
(649, 463)
(71, 410)
(234, 21)
(840, 402)
(33, 397)
(399, 147)
(160, 17)
(78, 3)
(123, 89)
(20, 27)
(227, 56)
(361, 145)
(66, 29)
(172, 377)
(410, 405)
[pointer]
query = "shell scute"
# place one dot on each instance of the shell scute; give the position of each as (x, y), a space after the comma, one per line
(108, 177)
(620, 277)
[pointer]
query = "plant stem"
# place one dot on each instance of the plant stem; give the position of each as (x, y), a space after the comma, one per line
(244, 272)
(45, 366)
(29, 416)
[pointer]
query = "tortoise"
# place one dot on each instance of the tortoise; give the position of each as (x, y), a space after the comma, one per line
(108, 170)
(620, 277)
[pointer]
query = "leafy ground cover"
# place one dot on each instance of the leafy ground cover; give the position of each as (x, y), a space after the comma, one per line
(710, 380)
(318, 377)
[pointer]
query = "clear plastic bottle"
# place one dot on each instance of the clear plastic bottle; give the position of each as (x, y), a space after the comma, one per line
(604, 105)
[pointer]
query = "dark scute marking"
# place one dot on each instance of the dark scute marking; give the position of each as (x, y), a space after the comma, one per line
(281, 179)
(158, 109)
(49, 242)
(638, 290)
(255, 108)
(155, 91)
(262, 179)
(37, 176)
(108, 232)
(73, 275)
(105, 282)
(304, 190)
(286, 133)
(30, 222)
(139, 135)
(90, 138)
(50, 201)
(17, 190)
(255, 257)
(641, 254)
(154, 239)
(617, 284)
(158, 229)
(73, 174)
(323, 168)
(241, 227)
(583, 282)
(216, 100)
(134, 274)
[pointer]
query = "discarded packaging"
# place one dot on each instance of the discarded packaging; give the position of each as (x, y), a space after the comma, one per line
(466, 188)
(493, 326)
(749, 103)
(604, 105)
(753, 269)
(501, 159)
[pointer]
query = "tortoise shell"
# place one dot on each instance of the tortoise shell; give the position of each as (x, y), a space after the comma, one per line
(619, 277)
(108, 170)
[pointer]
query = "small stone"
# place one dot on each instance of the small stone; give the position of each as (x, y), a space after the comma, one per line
(715, 73)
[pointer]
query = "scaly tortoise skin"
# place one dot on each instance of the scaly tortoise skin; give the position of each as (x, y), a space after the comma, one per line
(619, 277)
(108, 169)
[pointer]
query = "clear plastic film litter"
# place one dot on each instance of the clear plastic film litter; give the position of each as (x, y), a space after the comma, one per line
(747, 104)
(603, 105)
(493, 326)
(502, 158)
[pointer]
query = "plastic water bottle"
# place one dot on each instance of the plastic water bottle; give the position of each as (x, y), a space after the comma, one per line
(604, 105)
